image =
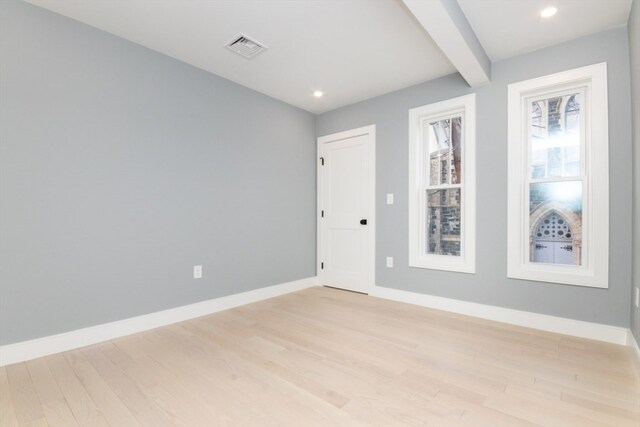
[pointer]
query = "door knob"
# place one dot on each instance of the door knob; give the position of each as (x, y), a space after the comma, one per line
(363, 221)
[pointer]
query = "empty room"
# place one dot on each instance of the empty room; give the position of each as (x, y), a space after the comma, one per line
(320, 213)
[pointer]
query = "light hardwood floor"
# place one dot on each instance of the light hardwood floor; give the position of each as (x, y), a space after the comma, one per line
(324, 357)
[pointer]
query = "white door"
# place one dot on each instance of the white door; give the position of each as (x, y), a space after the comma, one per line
(346, 204)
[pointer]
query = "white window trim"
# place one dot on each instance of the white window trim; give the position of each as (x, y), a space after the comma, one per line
(466, 262)
(594, 271)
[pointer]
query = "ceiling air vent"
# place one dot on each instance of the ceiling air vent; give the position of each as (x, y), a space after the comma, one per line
(244, 46)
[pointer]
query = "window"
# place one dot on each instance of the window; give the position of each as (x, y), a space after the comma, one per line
(558, 178)
(442, 185)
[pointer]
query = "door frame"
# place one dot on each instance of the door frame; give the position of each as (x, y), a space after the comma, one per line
(370, 131)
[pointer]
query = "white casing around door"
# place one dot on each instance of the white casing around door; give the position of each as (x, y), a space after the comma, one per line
(346, 195)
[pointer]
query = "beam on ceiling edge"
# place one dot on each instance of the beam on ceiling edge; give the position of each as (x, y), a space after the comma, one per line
(448, 27)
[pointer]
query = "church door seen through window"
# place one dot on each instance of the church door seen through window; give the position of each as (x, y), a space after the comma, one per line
(553, 240)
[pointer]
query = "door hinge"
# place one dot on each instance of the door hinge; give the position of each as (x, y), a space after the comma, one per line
(322, 160)
(322, 265)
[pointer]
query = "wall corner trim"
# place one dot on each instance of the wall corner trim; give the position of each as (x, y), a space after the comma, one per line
(631, 342)
(560, 325)
(31, 349)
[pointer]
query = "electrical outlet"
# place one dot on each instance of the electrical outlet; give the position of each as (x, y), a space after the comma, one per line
(390, 198)
(637, 296)
(197, 272)
(390, 261)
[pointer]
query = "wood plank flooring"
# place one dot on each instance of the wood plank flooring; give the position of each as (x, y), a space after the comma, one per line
(325, 357)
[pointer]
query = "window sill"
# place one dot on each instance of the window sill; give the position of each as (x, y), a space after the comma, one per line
(559, 275)
(444, 265)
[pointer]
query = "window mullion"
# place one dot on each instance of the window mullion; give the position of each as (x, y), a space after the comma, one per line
(442, 186)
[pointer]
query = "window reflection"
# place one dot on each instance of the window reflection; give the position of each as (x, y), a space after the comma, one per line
(555, 137)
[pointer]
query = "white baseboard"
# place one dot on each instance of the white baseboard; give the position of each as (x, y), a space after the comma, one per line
(27, 350)
(561, 325)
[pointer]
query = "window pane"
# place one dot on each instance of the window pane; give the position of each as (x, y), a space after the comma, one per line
(555, 137)
(555, 220)
(443, 221)
(445, 151)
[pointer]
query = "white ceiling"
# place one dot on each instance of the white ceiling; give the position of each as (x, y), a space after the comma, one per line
(507, 28)
(350, 49)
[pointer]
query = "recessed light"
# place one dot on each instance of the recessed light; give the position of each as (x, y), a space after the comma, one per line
(318, 94)
(548, 12)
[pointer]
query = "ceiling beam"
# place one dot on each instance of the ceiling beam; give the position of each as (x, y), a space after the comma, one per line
(448, 27)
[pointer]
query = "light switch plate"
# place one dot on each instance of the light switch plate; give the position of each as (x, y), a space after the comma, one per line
(197, 272)
(390, 198)
(390, 261)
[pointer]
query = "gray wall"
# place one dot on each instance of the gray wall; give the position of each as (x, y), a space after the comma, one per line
(121, 168)
(634, 51)
(490, 285)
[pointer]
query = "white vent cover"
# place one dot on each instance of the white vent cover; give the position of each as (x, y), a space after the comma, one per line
(243, 45)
